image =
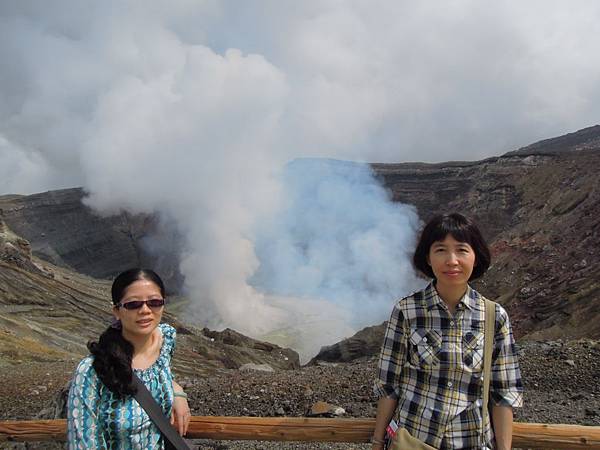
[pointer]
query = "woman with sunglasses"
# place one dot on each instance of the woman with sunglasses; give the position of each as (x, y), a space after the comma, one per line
(102, 410)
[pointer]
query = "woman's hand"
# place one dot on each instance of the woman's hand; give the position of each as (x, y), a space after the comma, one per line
(180, 416)
(385, 410)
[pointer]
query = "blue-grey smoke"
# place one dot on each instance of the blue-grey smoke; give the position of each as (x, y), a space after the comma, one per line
(338, 238)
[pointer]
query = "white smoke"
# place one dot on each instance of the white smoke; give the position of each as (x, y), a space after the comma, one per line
(338, 237)
(191, 109)
(336, 254)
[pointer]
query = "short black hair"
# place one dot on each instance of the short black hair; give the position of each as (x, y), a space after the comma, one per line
(124, 279)
(460, 228)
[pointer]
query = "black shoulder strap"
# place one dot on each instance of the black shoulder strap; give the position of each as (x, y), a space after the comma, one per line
(146, 401)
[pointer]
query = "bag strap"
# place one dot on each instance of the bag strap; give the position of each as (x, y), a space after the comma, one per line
(146, 401)
(490, 322)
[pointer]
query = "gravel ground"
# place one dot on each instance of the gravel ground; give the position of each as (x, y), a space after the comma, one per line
(561, 386)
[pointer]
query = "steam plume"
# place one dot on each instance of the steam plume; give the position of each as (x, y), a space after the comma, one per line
(192, 109)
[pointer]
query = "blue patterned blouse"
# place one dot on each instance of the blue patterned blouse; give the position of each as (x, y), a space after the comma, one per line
(97, 419)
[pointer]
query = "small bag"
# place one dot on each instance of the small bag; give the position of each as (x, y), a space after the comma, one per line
(171, 437)
(404, 441)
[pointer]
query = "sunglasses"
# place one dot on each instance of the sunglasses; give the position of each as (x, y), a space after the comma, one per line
(137, 304)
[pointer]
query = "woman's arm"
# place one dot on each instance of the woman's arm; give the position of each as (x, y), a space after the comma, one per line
(181, 411)
(506, 387)
(385, 410)
(389, 368)
(83, 428)
(502, 420)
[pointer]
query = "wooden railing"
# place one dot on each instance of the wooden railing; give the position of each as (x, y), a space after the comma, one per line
(525, 435)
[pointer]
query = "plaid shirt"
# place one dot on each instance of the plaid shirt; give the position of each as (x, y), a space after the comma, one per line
(432, 363)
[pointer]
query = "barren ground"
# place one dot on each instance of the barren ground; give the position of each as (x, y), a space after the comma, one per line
(561, 382)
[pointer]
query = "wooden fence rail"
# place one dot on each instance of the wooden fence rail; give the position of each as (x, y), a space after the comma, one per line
(525, 435)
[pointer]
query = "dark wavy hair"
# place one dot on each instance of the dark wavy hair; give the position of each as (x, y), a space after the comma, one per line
(113, 353)
(460, 228)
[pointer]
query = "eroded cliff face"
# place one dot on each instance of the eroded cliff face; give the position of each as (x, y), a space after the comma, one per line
(539, 207)
(50, 306)
(540, 210)
(63, 231)
(48, 313)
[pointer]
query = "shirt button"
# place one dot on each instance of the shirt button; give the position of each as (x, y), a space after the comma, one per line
(424, 339)
(450, 384)
(452, 323)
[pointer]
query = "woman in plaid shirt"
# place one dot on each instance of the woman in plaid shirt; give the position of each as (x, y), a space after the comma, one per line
(431, 362)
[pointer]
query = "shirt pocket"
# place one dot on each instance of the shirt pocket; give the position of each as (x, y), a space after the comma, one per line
(473, 346)
(426, 345)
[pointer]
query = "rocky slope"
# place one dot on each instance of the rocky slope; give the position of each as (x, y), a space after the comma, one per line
(48, 314)
(365, 343)
(540, 209)
(62, 230)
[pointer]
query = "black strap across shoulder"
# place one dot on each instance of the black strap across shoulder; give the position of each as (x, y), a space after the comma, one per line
(146, 401)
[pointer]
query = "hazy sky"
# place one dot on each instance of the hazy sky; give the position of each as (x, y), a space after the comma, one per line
(192, 108)
(361, 80)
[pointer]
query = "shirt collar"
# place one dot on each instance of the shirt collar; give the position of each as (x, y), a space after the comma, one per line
(432, 298)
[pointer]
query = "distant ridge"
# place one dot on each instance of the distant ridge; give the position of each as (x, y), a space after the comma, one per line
(539, 208)
(584, 139)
